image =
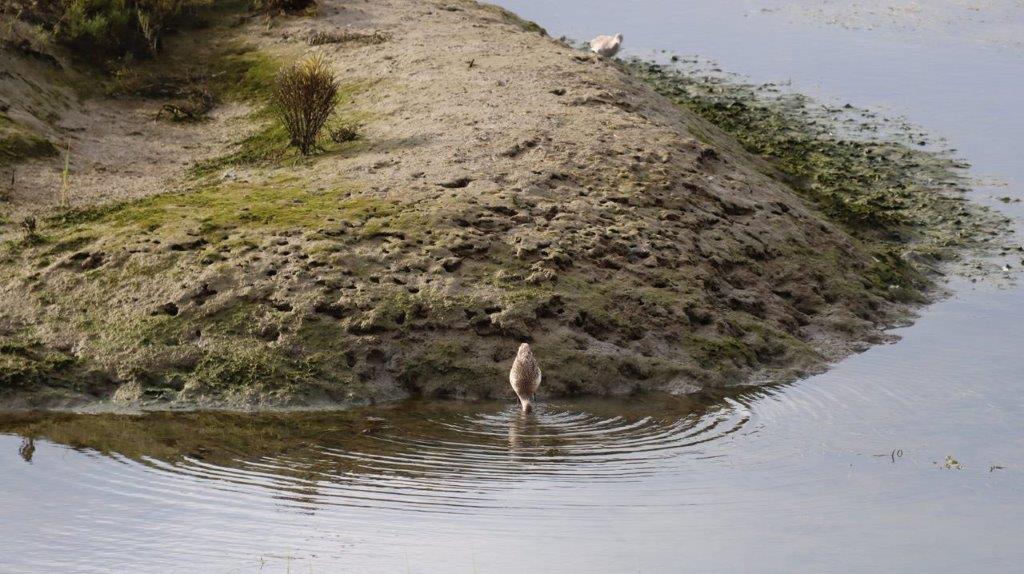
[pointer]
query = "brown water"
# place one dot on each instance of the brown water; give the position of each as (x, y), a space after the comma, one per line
(843, 472)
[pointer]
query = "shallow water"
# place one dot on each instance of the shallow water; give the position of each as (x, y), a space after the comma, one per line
(840, 472)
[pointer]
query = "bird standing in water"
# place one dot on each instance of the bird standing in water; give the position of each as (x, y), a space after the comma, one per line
(525, 376)
(27, 448)
(606, 46)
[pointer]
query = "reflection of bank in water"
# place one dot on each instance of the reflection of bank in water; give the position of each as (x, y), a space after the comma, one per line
(400, 453)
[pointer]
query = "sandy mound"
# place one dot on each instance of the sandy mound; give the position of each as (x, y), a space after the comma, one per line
(506, 188)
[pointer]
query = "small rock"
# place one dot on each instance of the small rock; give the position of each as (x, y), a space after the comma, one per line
(456, 183)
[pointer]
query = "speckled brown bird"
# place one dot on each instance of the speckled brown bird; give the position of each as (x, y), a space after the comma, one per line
(525, 376)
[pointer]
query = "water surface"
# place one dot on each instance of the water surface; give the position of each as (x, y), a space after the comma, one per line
(843, 472)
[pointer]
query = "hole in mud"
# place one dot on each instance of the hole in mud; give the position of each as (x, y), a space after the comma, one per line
(375, 356)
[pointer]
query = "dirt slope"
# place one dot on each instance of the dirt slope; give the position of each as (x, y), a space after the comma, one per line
(506, 188)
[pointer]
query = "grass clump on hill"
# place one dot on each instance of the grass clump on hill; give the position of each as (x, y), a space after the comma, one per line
(17, 143)
(304, 100)
(306, 104)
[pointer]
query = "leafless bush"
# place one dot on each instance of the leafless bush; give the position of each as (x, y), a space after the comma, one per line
(306, 95)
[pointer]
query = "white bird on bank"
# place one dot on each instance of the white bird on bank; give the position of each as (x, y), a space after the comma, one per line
(525, 376)
(606, 46)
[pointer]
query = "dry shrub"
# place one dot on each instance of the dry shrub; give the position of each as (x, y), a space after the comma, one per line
(346, 132)
(306, 95)
(28, 226)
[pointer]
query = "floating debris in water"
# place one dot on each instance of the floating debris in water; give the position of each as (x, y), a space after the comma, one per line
(952, 463)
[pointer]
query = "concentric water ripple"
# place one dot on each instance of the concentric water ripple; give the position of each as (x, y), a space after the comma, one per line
(442, 460)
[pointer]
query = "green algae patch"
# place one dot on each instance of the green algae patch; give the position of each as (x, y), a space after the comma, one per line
(245, 74)
(877, 178)
(234, 206)
(181, 296)
(24, 365)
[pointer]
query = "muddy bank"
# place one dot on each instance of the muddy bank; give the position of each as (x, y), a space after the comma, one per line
(507, 188)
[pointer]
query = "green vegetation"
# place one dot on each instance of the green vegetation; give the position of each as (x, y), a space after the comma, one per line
(18, 143)
(110, 27)
(24, 365)
(514, 19)
(891, 191)
(240, 74)
(870, 184)
(254, 208)
(238, 364)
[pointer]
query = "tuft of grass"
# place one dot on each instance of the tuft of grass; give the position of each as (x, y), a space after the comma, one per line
(18, 143)
(28, 226)
(305, 97)
(251, 77)
(250, 366)
(25, 365)
(344, 132)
